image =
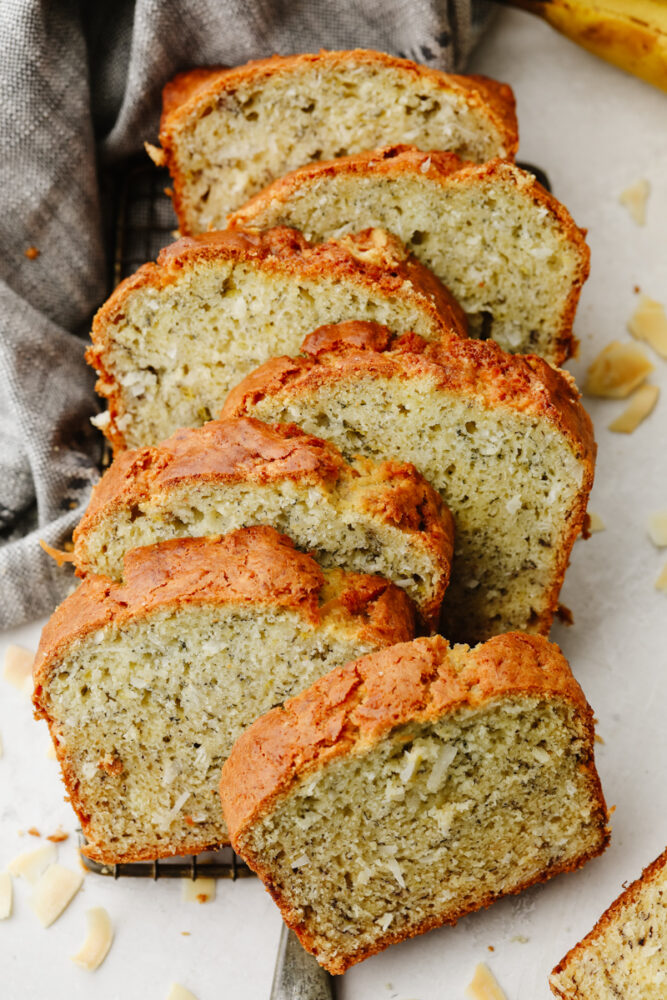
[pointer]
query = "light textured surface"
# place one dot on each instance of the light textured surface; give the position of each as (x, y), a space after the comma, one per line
(596, 131)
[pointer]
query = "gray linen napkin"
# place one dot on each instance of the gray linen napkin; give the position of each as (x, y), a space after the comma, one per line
(80, 90)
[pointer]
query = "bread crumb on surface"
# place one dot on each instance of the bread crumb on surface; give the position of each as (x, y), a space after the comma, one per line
(595, 523)
(58, 836)
(31, 864)
(657, 528)
(617, 370)
(98, 940)
(156, 154)
(634, 198)
(640, 407)
(178, 992)
(661, 582)
(649, 323)
(484, 985)
(54, 892)
(33, 831)
(58, 555)
(201, 890)
(32, 253)
(18, 668)
(5, 895)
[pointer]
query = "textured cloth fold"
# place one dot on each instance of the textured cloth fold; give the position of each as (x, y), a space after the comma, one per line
(80, 87)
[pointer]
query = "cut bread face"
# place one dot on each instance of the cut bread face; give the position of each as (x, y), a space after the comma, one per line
(175, 337)
(504, 440)
(625, 955)
(508, 251)
(363, 517)
(145, 686)
(451, 776)
(226, 134)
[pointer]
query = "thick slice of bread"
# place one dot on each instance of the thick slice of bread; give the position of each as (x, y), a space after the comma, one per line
(625, 955)
(508, 251)
(363, 517)
(145, 686)
(227, 133)
(175, 337)
(503, 438)
(413, 786)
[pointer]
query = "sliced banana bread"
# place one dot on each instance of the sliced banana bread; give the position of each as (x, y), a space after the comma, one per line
(402, 791)
(176, 336)
(625, 955)
(508, 251)
(365, 517)
(145, 686)
(503, 438)
(226, 133)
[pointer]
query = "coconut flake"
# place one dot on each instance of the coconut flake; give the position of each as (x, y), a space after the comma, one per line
(484, 985)
(440, 768)
(384, 921)
(657, 528)
(54, 892)
(634, 198)
(31, 864)
(18, 668)
(98, 940)
(395, 869)
(178, 992)
(200, 890)
(5, 895)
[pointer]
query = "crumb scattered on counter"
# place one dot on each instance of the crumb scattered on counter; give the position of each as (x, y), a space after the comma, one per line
(520, 939)
(649, 323)
(33, 831)
(634, 198)
(484, 985)
(32, 253)
(640, 407)
(58, 836)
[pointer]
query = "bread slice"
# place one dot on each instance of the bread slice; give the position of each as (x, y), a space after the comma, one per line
(503, 438)
(363, 516)
(176, 336)
(625, 955)
(226, 133)
(145, 686)
(450, 776)
(508, 251)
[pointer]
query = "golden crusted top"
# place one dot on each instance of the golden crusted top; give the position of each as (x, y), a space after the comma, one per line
(480, 370)
(355, 705)
(251, 566)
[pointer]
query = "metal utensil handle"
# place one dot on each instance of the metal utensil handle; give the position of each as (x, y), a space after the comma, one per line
(298, 976)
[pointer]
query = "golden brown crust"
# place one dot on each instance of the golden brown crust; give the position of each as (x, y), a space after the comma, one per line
(245, 450)
(250, 566)
(477, 369)
(356, 705)
(444, 169)
(369, 260)
(612, 915)
(202, 87)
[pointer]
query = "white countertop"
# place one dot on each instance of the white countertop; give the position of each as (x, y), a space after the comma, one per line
(595, 130)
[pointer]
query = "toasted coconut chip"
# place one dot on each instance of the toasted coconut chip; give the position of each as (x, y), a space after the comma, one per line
(634, 198)
(54, 892)
(661, 582)
(657, 528)
(201, 890)
(60, 556)
(18, 668)
(617, 370)
(484, 985)
(649, 323)
(641, 405)
(98, 940)
(156, 154)
(5, 895)
(595, 523)
(31, 864)
(178, 992)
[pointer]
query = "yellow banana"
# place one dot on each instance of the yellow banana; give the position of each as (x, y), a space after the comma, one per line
(631, 34)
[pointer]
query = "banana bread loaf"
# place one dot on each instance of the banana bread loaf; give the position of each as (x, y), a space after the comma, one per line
(176, 336)
(363, 516)
(226, 133)
(400, 792)
(508, 251)
(145, 686)
(503, 438)
(625, 955)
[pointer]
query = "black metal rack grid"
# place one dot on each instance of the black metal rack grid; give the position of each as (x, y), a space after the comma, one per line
(140, 221)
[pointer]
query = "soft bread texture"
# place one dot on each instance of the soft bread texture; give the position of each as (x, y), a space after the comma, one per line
(226, 134)
(508, 251)
(413, 786)
(625, 955)
(174, 338)
(146, 685)
(503, 438)
(364, 517)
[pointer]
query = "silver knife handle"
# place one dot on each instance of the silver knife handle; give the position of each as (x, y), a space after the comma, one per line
(298, 976)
